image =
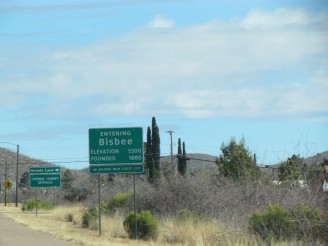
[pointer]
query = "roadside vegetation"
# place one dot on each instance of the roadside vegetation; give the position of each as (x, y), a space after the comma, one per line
(31, 204)
(200, 209)
(236, 203)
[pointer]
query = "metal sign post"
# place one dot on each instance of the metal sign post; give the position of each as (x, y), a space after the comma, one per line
(99, 207)
(135, 206)
(44, 177)
(116, 150)
(55, 197)
(36, 202)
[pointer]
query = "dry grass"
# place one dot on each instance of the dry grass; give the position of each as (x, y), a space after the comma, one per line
(189, 232)
(10, 208)
(65, 223)
(113, 226)
(55, 223)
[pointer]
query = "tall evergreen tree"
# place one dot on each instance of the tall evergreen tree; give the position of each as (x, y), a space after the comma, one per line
(149, 156)
(184, 163)
(180, 158)
(156, 151)
(111, 177)
(67, 180)
(292, 169)
(24, 180)
(236, 161)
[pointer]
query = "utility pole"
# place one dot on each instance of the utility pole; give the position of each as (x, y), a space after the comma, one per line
(17, 153)
(173, 169)
(5, 186)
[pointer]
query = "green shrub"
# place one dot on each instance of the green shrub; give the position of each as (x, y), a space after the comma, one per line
(89, 218)
(117, 202)
(274, 223)
(186, 214)
(32, 204)
(69, 217)
(147, 225)
(310, 223)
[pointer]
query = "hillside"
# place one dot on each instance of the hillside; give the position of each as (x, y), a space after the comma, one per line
(24, 163)
(317, 159)
(204, 161)
(195, 163)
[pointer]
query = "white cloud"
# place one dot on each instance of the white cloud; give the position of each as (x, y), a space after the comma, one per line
(268, 64)
(161, 22)
(280, 18)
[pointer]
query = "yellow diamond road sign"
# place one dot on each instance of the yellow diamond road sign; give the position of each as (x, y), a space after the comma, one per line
(8, 184)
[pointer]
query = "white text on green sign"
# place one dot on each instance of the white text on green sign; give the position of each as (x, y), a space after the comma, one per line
(43, 177)
(116, 169)
(47, 180)
(116, 146)
(45, 170)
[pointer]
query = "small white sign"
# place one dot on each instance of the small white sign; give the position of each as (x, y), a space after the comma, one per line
(325, 186)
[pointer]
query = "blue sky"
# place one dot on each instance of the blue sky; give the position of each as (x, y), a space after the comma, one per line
(208, 70)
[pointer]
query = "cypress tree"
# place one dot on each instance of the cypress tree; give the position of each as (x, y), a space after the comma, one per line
(156, 149)
(184, 159)
(149, 156)
(180, 158)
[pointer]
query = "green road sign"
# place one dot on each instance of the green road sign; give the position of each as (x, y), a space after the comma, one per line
(94, 169)
(112, 146)
(45, 177)
(39, 170)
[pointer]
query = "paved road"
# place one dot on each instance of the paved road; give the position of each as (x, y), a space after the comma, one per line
(14, 234)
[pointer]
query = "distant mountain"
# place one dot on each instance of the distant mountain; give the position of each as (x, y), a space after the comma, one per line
(317, 159)
(24, 163)
(195, 162)
(203, 161)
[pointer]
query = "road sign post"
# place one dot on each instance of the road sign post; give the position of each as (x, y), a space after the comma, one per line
(115, 150)
(44, 177)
